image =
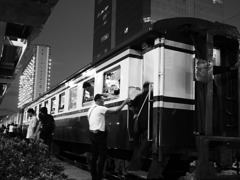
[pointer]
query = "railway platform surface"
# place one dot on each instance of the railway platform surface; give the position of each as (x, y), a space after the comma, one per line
(73, 172)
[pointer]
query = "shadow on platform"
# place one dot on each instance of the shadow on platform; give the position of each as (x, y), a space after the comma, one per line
(73, 172)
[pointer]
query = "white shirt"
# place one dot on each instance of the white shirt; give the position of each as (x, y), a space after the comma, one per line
(96, 117)
(11, 128)
(31, 126)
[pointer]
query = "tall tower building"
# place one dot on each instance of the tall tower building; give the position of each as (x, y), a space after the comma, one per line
(35, 79)
(118, 20)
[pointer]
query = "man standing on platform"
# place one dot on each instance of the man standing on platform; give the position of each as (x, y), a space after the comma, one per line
(47, 127)
(98, 134)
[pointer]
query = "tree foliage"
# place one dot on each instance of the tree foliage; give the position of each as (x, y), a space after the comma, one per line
(27, 161)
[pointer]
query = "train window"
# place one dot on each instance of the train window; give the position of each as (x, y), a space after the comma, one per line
(53, 105)
(111, 84)
(40, 106)
(61, 102)
(25, 116)
(45, 103)
(88, 93)
(72, 98)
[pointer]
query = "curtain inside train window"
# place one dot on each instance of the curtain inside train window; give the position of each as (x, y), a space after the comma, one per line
(72, 98)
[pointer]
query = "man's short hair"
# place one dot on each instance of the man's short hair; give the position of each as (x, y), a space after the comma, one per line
(43, 110)
(30, 110)
(146, 84)
(86, 84)
(97, 97)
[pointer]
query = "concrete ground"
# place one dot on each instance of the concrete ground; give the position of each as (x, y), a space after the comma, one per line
(73, 172)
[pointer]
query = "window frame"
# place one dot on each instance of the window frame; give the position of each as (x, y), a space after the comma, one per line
(73, 105)
(46, 103)
(61, 101)
(112, 96)
(53, 105)
(84, 101)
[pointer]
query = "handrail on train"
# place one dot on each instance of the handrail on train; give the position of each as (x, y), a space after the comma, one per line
(149, 138)
(148, 97)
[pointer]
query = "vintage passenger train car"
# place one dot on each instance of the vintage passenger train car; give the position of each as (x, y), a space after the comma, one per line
(191, 66)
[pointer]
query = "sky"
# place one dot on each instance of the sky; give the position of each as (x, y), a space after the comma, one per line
(69, 32)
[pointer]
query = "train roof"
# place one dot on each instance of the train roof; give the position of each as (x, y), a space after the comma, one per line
(175, 27)
(172, 29)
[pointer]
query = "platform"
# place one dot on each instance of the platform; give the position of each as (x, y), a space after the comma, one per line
(73, 172)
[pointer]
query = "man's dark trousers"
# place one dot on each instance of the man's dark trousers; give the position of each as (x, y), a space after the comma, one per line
(99, 150)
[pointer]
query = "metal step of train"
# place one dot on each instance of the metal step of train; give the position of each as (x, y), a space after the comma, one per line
(136, 175)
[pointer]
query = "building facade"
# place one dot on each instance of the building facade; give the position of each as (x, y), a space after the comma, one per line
(35, 79)
(117, 20)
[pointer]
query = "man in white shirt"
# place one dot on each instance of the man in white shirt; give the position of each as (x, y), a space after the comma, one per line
(12, 130)
(98, 134)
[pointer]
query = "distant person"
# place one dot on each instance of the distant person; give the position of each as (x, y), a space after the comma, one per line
(31, 132)
(98, 134)
(4, 129)
(7, 129)
(46, 127)
(19, 132)
(90, 89)
(12, 130)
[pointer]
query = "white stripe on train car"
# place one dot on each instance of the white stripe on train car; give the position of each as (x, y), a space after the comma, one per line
(172, 105)
(119, 56)
(179, 45)
(79, 114)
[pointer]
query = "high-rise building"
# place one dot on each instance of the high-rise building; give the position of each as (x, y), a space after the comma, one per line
(35, 79)
(117, 20)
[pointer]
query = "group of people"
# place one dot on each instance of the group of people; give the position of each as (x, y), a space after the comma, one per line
(110, 92)
(41, 127)
(98, 132)
(12, 130)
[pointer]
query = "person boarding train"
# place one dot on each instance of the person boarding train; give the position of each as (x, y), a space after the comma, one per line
(98, 133)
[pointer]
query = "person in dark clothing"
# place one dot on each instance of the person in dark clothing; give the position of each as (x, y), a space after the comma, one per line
(47, 127)
(139, 106)
(3, 128)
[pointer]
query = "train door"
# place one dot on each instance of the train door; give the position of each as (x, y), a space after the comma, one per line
(145, 74)
(225, 88)
(149, 60)
(217, 81)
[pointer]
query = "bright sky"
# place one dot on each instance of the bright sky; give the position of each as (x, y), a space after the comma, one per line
(69, 32)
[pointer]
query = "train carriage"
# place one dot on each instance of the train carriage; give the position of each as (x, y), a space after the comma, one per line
(190, 64)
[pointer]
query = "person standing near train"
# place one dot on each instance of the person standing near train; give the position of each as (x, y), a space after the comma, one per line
(98, 133)
(46, 127)
(139, 106)
(32, 127)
